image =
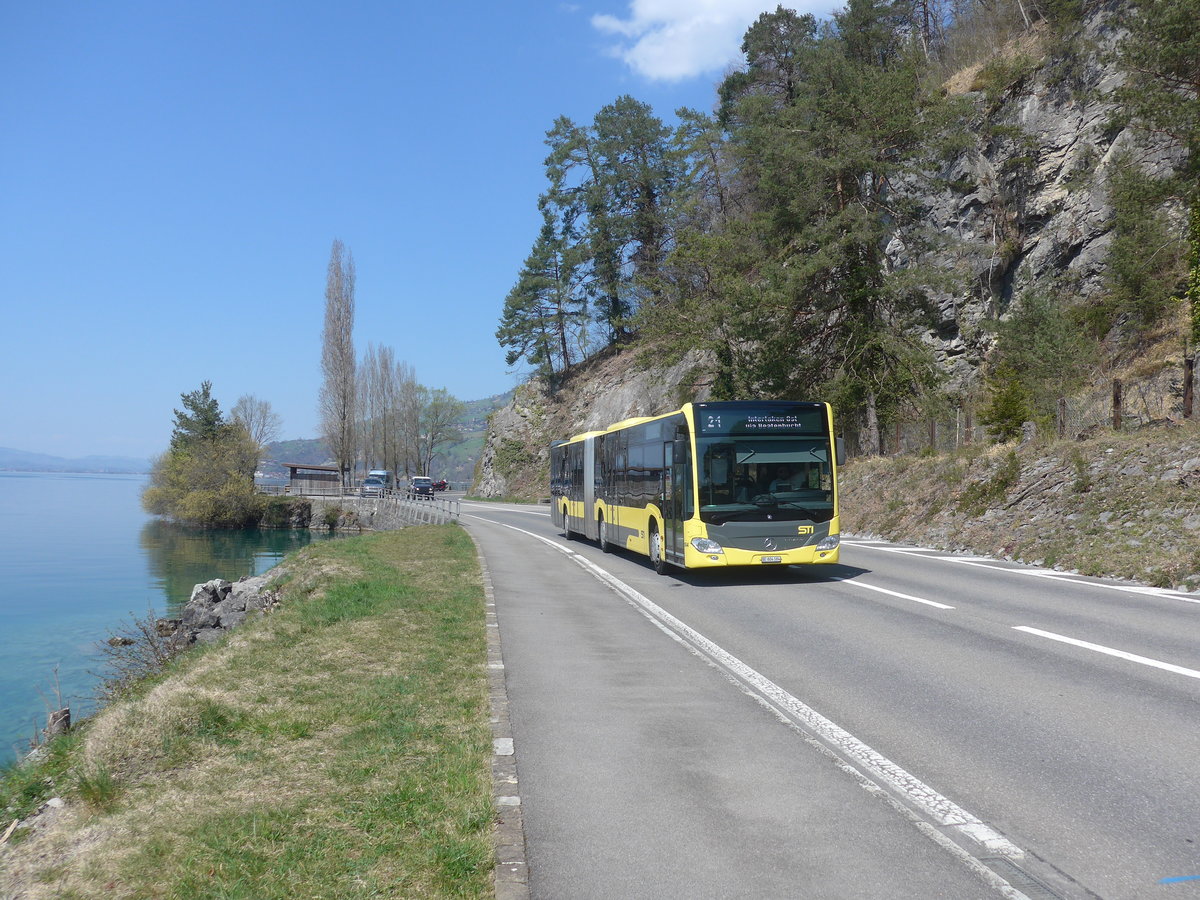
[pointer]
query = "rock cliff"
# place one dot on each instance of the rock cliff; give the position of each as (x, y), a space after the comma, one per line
(1027, 202)
(610, 387)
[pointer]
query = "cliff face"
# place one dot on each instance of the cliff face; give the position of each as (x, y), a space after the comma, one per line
(1026, 204)
(516, 454)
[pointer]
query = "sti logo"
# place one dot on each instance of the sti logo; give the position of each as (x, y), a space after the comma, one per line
(804, 529)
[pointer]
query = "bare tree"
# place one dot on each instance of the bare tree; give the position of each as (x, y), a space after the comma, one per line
(439, 425)
(410, 400)
(260, 421)
(370, 408)
(397, 383)
(338, 390)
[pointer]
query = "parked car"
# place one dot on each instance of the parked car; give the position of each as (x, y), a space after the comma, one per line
(376, 484)
(442, 485)
(420, 486)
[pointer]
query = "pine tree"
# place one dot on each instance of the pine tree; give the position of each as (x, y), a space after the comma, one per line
(199, 420)
(1162, 56)
(545, 314)
(821, 125)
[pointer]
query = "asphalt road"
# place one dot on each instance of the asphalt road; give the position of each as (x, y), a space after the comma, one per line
(906, 724)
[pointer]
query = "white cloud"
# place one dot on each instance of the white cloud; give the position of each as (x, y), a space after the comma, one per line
(669, 40)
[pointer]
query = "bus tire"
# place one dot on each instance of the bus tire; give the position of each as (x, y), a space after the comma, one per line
(657, 557)
(605, 546)
(567, 533)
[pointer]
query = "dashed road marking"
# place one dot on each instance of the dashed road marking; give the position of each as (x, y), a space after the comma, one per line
(1110, 651)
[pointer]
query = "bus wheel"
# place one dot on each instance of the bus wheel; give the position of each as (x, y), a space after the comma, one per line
(605, 546)
(656, 552)
(567, 533)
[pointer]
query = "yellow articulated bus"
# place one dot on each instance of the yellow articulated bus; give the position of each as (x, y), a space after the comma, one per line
(735, 483)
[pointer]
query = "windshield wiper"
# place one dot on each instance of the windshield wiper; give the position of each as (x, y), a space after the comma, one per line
(791, 504)
(770, 500)
(718, 517)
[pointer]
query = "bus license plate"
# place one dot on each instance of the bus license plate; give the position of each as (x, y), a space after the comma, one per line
(772, 559)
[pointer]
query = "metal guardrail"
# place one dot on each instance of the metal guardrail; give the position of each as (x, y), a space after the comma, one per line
(428, 510)
(286, 490)
(409, 509)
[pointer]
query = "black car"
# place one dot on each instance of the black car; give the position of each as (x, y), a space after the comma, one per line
(420, 486)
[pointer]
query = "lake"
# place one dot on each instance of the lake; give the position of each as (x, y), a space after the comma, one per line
(79, 558)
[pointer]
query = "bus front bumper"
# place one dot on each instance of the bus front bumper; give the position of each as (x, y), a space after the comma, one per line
(730, 556)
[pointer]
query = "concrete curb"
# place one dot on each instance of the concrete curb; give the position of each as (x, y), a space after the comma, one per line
(512, 871)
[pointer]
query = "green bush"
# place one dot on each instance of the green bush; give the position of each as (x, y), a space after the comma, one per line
(207, 482)
(1002, 73)
(1008, 406)
(1042, 354)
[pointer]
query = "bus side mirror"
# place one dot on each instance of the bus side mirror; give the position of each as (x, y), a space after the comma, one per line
(840, 450)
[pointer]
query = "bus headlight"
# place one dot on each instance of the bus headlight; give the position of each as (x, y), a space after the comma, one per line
(704, 545)
(828, 543)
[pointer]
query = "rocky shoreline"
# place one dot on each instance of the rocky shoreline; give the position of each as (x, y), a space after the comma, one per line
(217, 606)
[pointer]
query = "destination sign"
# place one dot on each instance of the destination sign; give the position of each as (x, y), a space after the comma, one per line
(737, 419)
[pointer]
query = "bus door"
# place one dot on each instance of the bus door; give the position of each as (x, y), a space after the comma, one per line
(674, 488)
(590, 471)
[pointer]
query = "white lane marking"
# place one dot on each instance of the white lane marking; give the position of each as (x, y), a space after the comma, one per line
(517, 509)
(1100, 648)
(871, 587)
(941, 809)
(999, 566)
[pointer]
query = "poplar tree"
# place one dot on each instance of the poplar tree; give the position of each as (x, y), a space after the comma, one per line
(339, 387)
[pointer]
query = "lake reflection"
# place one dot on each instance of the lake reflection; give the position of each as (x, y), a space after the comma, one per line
(179, 558)
(81, 558)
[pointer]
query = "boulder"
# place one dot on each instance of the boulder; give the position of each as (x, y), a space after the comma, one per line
(218, 605)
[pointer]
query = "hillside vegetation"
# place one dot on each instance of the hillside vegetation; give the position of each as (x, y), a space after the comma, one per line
(1123, 504)
(948, 220)
(899, 209)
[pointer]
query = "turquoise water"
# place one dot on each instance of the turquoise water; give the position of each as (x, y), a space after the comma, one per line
(78, 558)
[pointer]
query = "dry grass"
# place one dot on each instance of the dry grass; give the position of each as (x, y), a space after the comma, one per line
(1121, 504)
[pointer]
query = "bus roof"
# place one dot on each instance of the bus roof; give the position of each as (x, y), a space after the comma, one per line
(625, 423)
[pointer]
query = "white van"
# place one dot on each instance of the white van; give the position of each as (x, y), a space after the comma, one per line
(377, 483)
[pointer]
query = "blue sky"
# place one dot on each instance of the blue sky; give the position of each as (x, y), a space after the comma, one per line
(175, 173)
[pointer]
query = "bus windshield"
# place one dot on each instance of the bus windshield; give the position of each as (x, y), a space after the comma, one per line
(756, 479)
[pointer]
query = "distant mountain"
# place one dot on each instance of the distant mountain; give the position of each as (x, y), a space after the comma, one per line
(24, 461)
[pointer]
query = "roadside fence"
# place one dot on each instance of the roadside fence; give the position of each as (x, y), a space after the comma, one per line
(1125, 404)
(393, 510)
(428, 511)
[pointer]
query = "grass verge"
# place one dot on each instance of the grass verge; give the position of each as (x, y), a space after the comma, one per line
(339, 747)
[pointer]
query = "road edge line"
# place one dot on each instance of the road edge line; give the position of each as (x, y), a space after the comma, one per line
(511, 871)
